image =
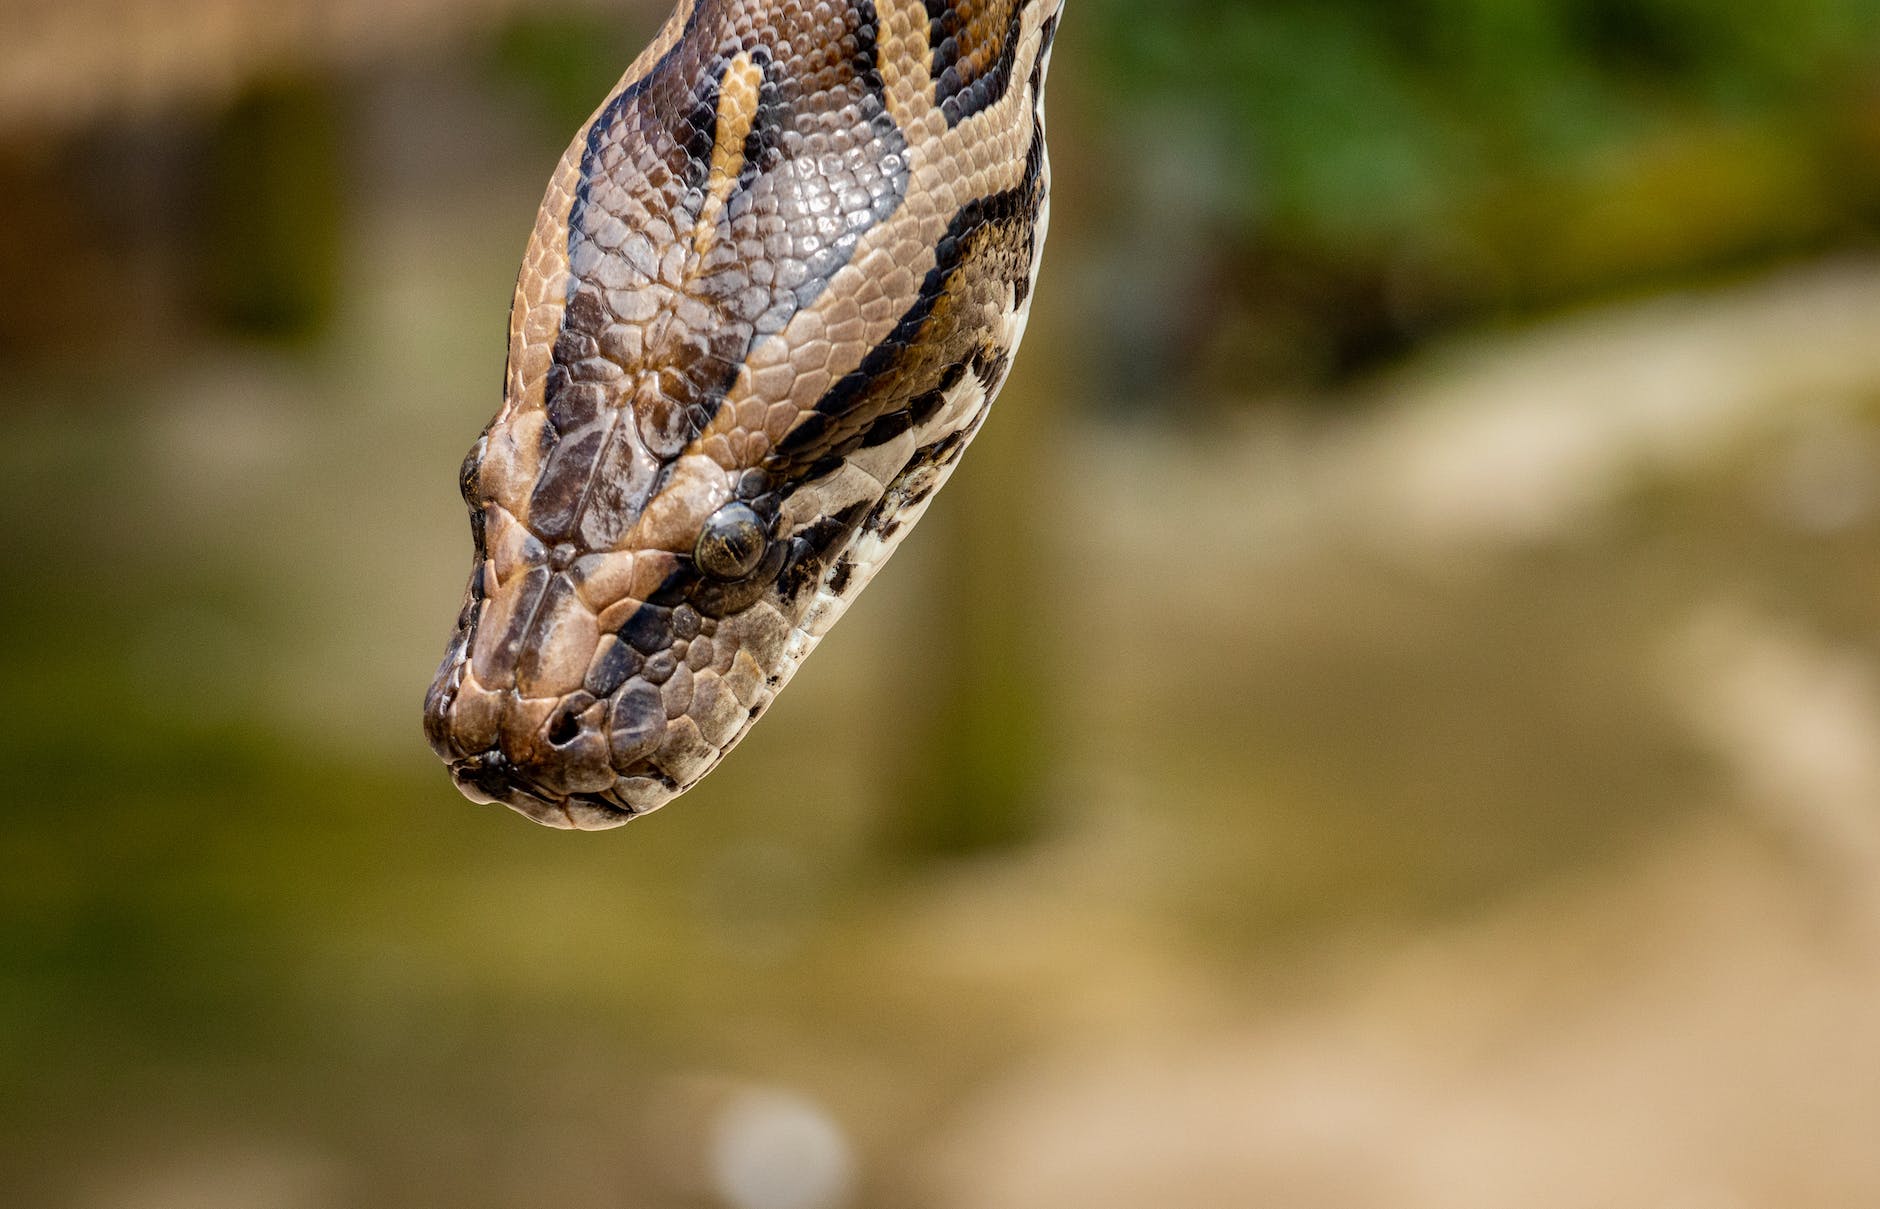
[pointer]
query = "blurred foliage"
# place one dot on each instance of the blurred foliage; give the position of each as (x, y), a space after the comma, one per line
(1360, 172)
(1378, 119)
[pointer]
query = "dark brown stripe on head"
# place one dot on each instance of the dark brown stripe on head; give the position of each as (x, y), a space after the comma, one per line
(813, 551)
(975, 43)
(986, 252)
(1046, 36)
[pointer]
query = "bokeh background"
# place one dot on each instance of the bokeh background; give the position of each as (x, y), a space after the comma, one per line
(1387, 716)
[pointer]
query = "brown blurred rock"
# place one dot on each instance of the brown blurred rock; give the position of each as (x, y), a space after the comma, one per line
(65, 63)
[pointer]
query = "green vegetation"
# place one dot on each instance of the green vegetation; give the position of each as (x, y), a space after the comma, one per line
(1383, 169)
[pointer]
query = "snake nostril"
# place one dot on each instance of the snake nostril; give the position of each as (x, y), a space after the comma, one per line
(566, 729)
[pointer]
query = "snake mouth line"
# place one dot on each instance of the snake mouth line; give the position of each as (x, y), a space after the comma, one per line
(490, 779)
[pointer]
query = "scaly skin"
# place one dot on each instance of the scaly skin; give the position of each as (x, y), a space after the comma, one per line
(775, 285)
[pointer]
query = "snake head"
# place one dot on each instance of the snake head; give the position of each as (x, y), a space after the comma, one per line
(774, 286)
(585, 685)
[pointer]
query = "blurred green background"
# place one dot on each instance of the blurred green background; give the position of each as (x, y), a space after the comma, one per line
(1387, 716)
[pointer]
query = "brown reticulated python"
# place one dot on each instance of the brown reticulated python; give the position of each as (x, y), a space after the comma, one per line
(775, 284)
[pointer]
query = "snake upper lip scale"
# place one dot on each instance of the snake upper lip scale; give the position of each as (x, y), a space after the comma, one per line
(773, 288)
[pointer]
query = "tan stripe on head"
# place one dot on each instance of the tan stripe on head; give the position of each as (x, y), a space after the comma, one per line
(738, 97)
(904, 53)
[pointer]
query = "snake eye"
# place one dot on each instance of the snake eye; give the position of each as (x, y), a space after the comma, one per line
(732, 543)
(468, 472)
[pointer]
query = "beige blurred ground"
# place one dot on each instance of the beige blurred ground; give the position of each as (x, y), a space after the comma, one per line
(1689, 1023)
(1694, 1028)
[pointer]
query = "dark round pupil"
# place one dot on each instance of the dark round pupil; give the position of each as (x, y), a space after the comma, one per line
(732, 543)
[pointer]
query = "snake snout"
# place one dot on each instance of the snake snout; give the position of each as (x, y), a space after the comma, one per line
(484, 779)
(587, 759)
